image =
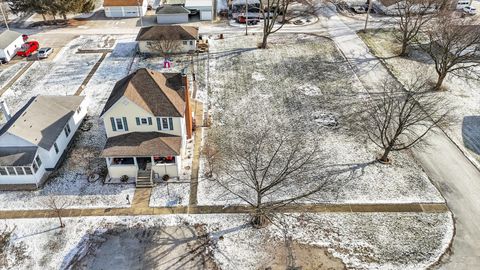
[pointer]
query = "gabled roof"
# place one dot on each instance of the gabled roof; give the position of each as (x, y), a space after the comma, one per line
(161, 94)
(122, 3)
(169, 9)
(167, 32)
(7, 37)
(142, 144)
(42, 119)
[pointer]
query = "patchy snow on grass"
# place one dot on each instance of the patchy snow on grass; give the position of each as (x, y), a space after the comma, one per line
(319, 91)
(7, 72)
(462, 94)
(361, 240)
(170, 194)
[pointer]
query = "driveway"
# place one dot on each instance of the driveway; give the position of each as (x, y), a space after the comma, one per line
(449, 169)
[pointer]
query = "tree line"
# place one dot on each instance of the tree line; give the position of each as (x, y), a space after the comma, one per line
(52, 8)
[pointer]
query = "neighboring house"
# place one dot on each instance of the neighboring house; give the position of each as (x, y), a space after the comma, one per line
(171, 38)
(34, 140)
(125, 8)
(10, 42)
(147, 121)
(168, 14)
(204, 7)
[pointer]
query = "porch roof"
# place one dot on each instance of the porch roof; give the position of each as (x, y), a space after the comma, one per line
(141, 144)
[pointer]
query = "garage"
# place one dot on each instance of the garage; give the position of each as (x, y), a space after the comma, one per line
(168, 14)
(204, 7)
(125, 8)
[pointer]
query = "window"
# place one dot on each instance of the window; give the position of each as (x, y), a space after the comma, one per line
(56, 147)
(79, 109)
(165, 123)
(185, 42)
(144, 121)
(67, 130)
(191, 42)
(27, 170)
(119, 123)
(35, 167)
(19, 170)
(38, 161)
(11, 171)
(3, 171)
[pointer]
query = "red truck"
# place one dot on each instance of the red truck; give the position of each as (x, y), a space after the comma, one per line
(28, 48)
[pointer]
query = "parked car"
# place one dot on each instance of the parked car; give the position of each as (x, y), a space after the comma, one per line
(3, 61)
(251, 20)
(28, 48)
(470, 10)
(45, 52)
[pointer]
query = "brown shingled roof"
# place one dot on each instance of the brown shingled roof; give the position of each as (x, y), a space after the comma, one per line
(141, 144)
(161, 94)
(169, 32)
(122, 3)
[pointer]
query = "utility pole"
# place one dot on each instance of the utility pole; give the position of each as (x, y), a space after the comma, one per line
(246, 17)
(140, 13)
(368, 14)
(3, 14)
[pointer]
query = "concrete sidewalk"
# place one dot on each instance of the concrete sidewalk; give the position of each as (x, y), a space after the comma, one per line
(454, 175)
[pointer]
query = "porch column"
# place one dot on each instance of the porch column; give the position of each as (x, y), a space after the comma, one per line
(107, 159)
(135, 162)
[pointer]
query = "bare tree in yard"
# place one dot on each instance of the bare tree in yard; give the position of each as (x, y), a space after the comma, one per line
(272, 11)
(400, 118)
(413, 15)
(454, 46)
(165, 46)
(57, 205)
(265, 160)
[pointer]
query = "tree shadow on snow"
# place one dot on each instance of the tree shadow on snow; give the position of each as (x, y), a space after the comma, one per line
(471, 133)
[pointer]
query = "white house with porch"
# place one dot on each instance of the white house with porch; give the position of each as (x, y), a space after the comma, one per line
(34, 140)
(147, 122)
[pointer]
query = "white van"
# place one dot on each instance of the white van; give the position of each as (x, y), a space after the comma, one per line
(462, 3)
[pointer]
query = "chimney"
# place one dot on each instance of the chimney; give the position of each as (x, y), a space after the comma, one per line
(5, 111)
(188, 110)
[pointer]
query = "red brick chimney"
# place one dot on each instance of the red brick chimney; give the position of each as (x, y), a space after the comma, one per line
(188, 110)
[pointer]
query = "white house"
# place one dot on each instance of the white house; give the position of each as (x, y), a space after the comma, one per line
(147, 121)
(173, 38)
(34, 140)
(205, 7)
(168, 14)
(10, 42)
(125, 8)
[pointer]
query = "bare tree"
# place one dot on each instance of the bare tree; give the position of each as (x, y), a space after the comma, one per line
(400, 117)
(165, 46)
(453, 44)
(57, 205)
(413, 15)
(273, 13)
(265, 159)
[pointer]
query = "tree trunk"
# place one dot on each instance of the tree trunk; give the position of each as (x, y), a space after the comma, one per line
(259, 219)
(403, 52)
(60, 219)
(439, 83)
(264, 41)
(64, 17)
(44, 18)
(384, 157)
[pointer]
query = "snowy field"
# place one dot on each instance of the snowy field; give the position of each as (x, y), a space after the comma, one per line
(463, 94)
(69, 183)
(320, 90)
(170, 194)
(361, 241)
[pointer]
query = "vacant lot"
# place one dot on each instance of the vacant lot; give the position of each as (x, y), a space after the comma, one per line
(462, 93)
(309, 79)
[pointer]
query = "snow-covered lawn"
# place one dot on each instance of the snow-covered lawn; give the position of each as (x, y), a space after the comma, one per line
(8, 72)
(170, 194)
(319, 90)
(463, 94)
(361, 241)
(69, 183)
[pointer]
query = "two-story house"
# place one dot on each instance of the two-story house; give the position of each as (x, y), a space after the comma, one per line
(33, 141)
(147, 120)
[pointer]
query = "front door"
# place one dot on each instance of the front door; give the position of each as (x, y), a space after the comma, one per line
(144, 163)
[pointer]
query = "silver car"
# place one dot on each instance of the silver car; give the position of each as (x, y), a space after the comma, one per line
(44, 52)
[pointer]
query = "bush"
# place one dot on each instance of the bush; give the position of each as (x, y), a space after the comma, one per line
(124, 178)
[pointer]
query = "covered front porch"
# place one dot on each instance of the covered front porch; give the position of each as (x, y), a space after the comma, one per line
(145, 157)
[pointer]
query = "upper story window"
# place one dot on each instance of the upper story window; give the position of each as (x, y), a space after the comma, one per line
(165, 123)
(67, 130)
(79, 109)
(185, 42)
(191, 42)
(38, 161)
(143, 121)
(56, 147)
(119, 124)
